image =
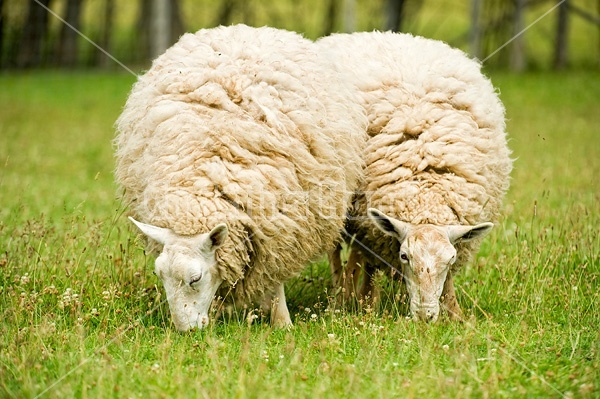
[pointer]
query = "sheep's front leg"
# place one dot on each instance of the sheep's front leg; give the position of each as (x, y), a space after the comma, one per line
(449, 301)
(335, 263)
(367, 289)
(351, 274)
(280, 315)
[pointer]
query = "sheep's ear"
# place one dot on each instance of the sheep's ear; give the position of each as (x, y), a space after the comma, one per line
(389, 225)
(468, 233)
(158, 234)
(217, 236)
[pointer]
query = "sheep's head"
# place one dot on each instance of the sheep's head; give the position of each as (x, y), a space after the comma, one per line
(187, 268)
(426, 252)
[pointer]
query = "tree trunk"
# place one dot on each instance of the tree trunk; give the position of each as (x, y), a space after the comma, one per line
(350, 16)
(561, 44)
(68, 50)
(330, 17)
(475, 32)
(142, 39)
(107, 27)
(226, 11)
(1, 32)
(33, 35)
(517, 56)
(160, 27)
(177, 24)
(395, 15)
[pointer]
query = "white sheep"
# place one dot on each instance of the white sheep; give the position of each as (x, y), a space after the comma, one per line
(238, 152)
(437, 164)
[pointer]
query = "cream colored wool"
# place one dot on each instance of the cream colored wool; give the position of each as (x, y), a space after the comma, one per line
(437, 150)
(250, 127)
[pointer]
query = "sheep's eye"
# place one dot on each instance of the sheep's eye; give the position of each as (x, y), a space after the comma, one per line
(403, 257)
(195, 279)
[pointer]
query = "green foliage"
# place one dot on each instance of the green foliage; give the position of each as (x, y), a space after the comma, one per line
(83, 316)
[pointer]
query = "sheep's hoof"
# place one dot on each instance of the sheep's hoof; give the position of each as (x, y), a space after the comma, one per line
(282, 324)
(455, 315)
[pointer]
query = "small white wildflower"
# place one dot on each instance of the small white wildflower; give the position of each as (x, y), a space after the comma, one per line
(331, 336)
(313, 316)
(445, 348)
(281, 356)
(574, 288)
(307, 310)
(25, 279)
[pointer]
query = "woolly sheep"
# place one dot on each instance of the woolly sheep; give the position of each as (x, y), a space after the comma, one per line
(437, 164)
(238, 152)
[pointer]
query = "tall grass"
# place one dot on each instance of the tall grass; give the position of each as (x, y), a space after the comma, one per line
(83, 316)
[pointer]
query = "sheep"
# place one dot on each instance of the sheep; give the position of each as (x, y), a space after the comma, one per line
(237, 153)
(437, 165)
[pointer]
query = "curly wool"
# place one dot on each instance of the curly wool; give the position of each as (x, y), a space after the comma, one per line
(437, 151)
(251, 127)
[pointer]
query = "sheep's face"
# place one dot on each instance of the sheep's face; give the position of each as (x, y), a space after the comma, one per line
(426, 254)
(187, 268)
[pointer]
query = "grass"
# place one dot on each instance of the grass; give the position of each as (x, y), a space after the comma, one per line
(83, 316)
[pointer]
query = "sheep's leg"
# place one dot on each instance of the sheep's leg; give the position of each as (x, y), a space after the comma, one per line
(366, 288)
(351, 274)
(335, 263)
(449, 302)
(280, 315)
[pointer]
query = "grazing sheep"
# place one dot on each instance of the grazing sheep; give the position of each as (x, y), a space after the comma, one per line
(437, 164)
(238, 152)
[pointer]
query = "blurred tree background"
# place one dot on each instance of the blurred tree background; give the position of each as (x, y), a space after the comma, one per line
(46, 33)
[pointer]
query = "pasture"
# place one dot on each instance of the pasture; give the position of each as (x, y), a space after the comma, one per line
(82, 315)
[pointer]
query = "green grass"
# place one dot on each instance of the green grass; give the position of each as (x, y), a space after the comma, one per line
(83, 316)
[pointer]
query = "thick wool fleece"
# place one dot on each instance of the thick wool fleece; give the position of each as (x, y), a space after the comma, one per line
(251, 127)
(437, 150)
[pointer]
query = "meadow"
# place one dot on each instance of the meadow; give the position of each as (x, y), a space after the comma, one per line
(82, 315)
